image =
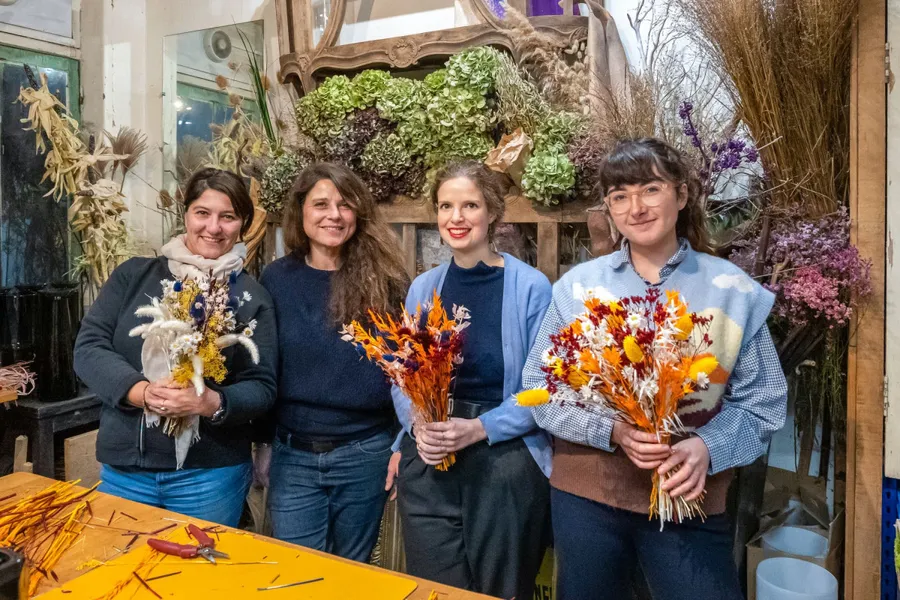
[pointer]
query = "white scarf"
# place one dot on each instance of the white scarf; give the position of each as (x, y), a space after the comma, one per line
(183, 264)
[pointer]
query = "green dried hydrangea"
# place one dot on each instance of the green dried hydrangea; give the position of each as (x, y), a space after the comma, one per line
(401, 98)
(368, 86)
(548, 177)
(386, 153)
(321, 113)
(474, 68)
(436, 80)
(557, 131)
(278, 179)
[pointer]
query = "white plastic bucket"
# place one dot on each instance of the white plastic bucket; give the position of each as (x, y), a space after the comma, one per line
(786, 578)
(794, 540)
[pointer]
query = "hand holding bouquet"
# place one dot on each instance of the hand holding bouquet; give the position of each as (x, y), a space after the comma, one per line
(638, 359)
(417, 353)
(192, 323)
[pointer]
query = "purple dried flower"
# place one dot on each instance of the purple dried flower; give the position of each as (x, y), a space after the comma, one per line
(721, 156)
(822, 277)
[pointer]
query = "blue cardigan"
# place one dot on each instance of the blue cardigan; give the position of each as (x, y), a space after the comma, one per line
(526, 296)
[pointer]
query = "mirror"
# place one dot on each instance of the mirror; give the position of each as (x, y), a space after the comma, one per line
(208, 94)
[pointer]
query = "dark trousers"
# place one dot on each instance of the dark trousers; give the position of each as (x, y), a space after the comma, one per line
(598, 548)
(481, 525)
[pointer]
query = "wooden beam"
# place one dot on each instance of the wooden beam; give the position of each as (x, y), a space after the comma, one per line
(548, 250)
(865, 368)
(80, 458)
(408, 241)
(20, 456)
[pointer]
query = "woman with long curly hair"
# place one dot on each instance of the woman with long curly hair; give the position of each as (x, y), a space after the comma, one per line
(333, 417)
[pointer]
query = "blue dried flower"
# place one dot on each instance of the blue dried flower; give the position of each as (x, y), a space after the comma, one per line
(198, 307)
(178, 286)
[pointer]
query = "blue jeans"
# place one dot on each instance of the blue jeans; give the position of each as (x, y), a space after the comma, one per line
(215, 495)
(598, 547)
(330, 501)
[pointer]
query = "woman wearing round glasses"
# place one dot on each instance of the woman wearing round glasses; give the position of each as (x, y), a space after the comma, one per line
(602, 468)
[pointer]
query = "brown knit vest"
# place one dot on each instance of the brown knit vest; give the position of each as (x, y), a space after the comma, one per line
(612, 479)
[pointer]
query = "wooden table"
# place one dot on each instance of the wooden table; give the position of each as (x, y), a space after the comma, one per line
(99, 542)
(41, 421)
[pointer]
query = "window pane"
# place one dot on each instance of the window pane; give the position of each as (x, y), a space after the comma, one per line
(33, 228)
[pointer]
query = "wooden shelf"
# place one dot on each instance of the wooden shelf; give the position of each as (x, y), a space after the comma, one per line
(7, 396)
(410, 213)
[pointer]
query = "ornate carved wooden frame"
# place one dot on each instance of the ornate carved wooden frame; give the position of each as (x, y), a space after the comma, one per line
(300, 62)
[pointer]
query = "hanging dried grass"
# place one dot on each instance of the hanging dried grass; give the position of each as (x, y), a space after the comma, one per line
(540, 57)
(193, 155)
(788, 63)
(96, 217)
(519, 103)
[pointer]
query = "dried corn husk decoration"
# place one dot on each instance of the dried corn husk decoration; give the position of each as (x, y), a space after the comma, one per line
(74, 167)
(96, 215)
(47, 116)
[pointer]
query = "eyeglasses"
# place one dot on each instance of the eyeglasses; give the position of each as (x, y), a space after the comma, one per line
(651, 195)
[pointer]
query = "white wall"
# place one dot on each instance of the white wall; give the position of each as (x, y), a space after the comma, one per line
(122, 75)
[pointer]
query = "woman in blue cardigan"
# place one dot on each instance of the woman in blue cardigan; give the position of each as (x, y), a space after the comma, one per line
(481, 524)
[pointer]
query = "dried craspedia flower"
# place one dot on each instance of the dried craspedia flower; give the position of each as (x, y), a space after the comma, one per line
(234, 99)
(221, 81)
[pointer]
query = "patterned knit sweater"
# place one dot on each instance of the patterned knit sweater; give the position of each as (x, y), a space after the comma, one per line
(745, 402)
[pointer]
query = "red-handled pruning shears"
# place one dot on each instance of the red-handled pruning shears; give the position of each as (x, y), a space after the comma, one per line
(205, 548)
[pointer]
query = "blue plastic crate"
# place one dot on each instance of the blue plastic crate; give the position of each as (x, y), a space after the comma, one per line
(890, 506)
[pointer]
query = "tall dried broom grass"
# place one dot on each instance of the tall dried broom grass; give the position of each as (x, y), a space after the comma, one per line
(788, 63)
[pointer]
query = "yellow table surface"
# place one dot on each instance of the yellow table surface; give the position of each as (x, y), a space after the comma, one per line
(343, 579)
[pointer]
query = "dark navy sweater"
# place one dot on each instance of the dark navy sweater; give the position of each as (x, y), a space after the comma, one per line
(326, 391)
(108, 360)
(480, 289)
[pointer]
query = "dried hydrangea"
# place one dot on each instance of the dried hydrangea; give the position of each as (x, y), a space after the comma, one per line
(385, 186)
(278, 179)
(360, 129)
(474, 68)
(548, 178)
(386, 153)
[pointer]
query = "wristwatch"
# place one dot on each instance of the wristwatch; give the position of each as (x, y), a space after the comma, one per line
(220, 412)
